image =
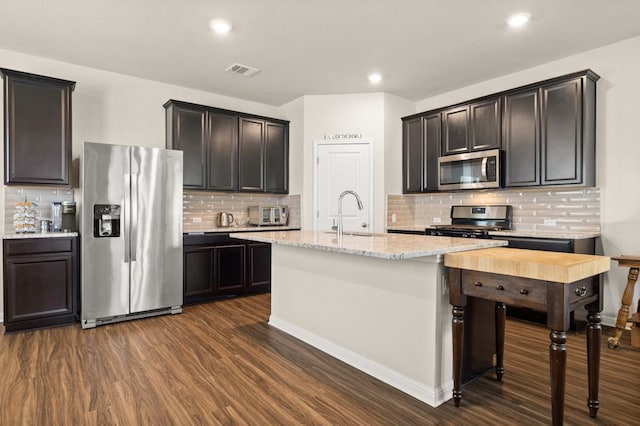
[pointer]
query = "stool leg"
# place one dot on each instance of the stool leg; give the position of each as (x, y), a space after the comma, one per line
(623, 313)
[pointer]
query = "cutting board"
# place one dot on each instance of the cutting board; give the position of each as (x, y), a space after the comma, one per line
(535, 264)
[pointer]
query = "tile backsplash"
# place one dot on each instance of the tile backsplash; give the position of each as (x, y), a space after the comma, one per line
(201, 208)
(43, 197)
(562, 209)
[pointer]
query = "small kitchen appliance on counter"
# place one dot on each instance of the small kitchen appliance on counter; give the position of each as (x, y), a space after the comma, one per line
(225, 219)
(475, 221)
(69, 216)
(268, 215)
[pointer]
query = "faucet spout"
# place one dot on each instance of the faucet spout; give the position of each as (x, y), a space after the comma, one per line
(360, 207)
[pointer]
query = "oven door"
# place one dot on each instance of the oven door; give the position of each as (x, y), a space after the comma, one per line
(473, 170)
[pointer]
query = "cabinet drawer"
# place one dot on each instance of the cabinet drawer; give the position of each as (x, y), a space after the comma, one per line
(510, 290)
(37, 245)
(582, 290)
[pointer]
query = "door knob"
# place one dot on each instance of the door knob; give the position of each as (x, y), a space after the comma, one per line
(365, 224)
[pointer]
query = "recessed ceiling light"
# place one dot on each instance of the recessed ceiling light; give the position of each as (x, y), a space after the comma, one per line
(518, 20)
(375, 78)
(220, 26)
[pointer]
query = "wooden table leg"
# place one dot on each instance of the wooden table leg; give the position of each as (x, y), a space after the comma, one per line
(501, 315)
(623, 313)
(594, 339)
(458, 341)
(558, 369)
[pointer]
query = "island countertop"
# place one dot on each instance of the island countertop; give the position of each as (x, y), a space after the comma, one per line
(386, 246)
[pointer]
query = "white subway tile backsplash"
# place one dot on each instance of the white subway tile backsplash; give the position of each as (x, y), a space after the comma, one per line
(570, 208)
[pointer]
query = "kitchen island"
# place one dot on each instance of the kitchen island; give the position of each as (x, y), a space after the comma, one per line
(378, 302)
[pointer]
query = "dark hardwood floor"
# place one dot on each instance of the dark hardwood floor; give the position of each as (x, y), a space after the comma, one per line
(220, 363)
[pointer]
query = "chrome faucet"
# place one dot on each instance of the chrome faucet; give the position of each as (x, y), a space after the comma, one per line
(360, 207)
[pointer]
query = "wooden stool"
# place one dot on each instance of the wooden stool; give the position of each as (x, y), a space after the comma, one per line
(633, 263)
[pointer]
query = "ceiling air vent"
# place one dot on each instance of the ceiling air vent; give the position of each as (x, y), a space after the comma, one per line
(243, 70)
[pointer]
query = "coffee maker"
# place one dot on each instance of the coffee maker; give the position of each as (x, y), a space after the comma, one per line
(69, 216)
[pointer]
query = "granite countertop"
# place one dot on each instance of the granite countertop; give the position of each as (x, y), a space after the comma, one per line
(386, 246)
(248, 228)
(18, 236)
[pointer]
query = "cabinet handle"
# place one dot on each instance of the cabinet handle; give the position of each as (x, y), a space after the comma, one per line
(524, 291)
(581, 291)
(478, 284)
(499, 288)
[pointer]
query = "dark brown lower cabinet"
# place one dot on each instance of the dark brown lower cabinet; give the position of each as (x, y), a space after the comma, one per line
(217, 266)
(41, 282)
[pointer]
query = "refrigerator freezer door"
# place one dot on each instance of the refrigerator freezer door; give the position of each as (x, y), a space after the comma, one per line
(105, 267)
(156, 229)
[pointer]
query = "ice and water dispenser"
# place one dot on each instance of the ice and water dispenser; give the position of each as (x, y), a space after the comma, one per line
(106, 220)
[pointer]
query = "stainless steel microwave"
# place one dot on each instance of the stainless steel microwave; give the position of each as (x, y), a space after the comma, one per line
(472, 170)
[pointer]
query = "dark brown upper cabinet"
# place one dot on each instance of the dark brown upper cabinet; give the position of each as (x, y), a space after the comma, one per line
(223, 152)
(277, 157)
(522, 138)
(227, 150)
(264, 156)
(187, 132)
(546, 129)
(252, 154)
(37, 137)
(549, 135)
(472, 127)
(420, 150)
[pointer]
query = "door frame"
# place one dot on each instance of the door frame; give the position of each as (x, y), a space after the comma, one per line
(320, 142)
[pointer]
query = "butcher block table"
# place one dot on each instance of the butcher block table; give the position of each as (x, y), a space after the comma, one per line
(552, 282)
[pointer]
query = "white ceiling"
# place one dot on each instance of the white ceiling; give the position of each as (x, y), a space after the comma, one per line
(306, 47)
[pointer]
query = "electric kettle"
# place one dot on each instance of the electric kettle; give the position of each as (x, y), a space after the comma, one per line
(225, 219)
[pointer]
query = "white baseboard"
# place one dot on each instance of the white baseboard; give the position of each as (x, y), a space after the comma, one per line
(431, 396)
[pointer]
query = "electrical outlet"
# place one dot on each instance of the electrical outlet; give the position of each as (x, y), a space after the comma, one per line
(549, 222)
(437, 220)
(197, 220)
(393, 218)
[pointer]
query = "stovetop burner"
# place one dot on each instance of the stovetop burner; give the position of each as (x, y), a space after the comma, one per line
(475, 221)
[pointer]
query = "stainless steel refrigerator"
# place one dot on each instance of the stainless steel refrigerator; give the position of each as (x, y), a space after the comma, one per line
(131, 233)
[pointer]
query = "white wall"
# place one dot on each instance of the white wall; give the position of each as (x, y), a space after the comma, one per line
(340, 114)
(294, 112)
(394, 109)
(618, 145)
(118, 109)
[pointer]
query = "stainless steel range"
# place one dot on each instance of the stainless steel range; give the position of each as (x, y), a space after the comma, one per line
(475, 221)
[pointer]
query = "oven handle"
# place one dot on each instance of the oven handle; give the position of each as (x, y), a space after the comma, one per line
(484, 169)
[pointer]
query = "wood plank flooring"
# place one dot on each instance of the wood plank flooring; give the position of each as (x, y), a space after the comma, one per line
(220, 363)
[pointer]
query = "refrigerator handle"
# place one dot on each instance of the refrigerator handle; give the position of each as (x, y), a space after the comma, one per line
(134, 216)
(127, 217)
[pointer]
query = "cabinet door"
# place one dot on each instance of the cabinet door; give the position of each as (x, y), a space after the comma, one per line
(37, 129)
(276, 157)
(189, 129)
(412, 156)
(562, 133)
(223, 152)
(251, 155)
(229, 269)
(39, 286)
(258, 267)
(456, 130)
(432, 138)
(522, 138)
(485, 125)
(198, 282)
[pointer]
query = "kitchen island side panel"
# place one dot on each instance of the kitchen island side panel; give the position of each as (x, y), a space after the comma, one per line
(388, 318)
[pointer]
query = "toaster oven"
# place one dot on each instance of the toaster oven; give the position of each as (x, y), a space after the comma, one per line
(268, 215)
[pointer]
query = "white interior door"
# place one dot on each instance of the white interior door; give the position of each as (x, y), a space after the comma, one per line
(338, 167)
